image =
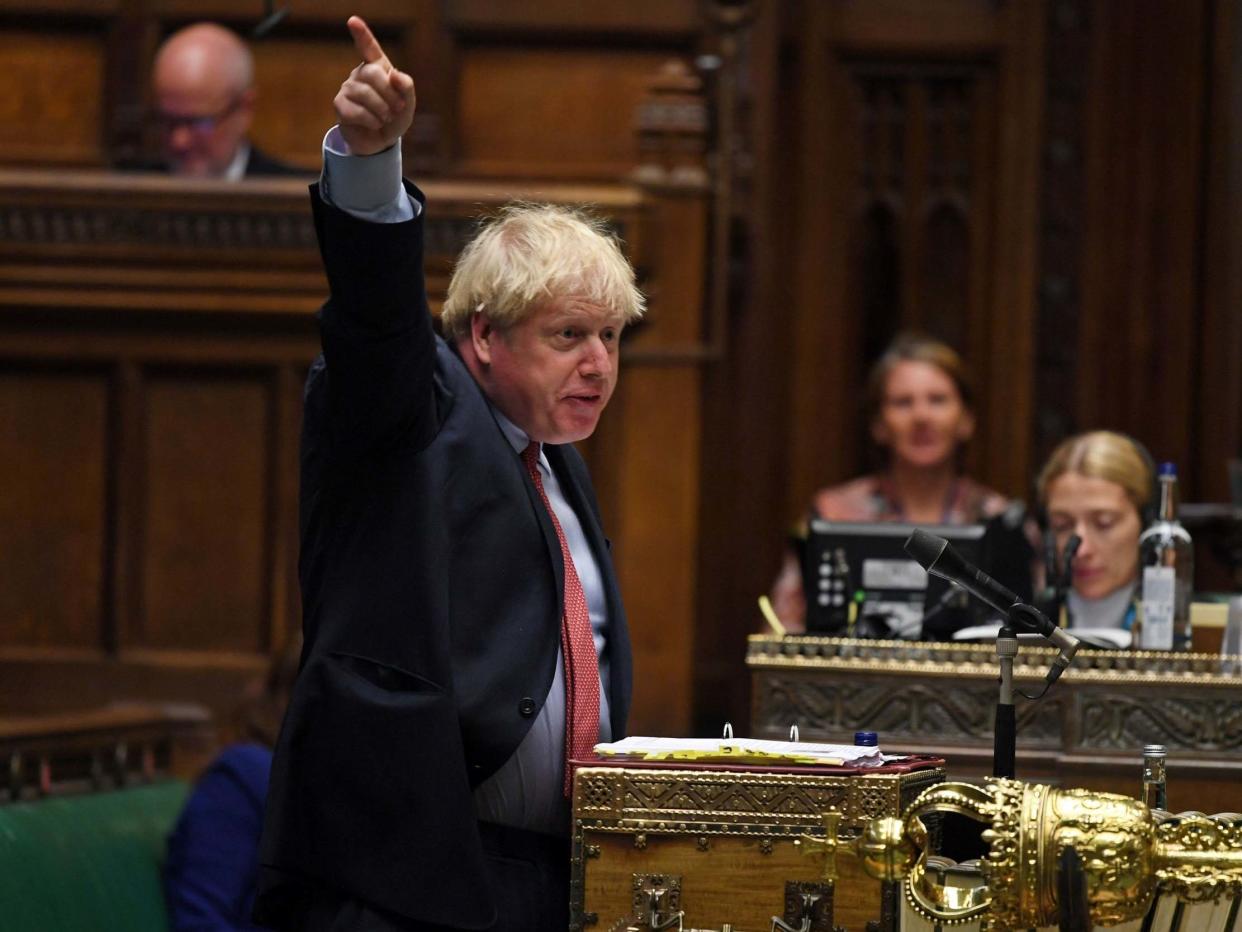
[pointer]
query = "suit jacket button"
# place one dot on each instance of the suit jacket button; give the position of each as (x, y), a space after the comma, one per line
(526, 708)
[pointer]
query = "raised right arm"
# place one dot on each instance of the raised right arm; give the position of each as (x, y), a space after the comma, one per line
(377, 388)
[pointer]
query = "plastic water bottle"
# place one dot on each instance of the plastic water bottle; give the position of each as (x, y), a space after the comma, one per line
(1166, 556)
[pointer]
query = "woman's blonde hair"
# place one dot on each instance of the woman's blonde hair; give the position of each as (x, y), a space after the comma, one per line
(530, 252)
(1102, 454)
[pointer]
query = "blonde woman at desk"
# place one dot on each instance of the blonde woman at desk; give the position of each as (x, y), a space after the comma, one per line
(919, 408)
(1099, 486)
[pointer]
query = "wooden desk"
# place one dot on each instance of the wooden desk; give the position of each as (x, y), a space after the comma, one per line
(940, 698)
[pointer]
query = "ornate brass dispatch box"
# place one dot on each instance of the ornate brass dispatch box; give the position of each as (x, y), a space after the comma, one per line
(714, 847)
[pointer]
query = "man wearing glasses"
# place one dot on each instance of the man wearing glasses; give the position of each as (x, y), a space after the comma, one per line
(204, 102)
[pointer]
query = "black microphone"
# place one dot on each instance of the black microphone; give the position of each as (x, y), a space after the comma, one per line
(937, 556)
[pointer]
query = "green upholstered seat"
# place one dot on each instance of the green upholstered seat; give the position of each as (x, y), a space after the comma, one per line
(88, 862)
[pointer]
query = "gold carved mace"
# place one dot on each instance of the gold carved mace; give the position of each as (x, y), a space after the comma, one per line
(1128, 854)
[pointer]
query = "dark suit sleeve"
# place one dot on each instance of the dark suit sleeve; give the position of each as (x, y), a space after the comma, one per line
(378, 340)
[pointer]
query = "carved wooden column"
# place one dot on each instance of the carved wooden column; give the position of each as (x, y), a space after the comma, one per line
(653, 473)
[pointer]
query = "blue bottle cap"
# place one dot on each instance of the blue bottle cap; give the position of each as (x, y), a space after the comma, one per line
(1168, 469)
(866, 739)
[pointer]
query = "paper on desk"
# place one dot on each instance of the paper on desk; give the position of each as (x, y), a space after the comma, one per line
(742, 751)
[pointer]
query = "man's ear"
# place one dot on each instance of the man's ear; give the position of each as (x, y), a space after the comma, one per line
(482, 335)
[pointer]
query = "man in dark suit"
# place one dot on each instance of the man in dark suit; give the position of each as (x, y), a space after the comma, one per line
(203, 83)
(464, 631)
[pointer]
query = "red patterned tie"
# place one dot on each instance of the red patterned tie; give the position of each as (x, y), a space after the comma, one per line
(577, 645)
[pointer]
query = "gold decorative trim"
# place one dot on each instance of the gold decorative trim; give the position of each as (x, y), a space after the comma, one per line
(1187, 871)
(967, 661)
(708, 802)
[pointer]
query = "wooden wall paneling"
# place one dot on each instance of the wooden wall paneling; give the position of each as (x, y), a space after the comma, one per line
(204, 556)
(657, 448)
(125, 500)
(935, 125)
(921, 196)
(426, 52)
(188, 302)
(133, 36)
(1006, 360)
(1063, 151)
(246, 14)
(657, 471)
(1218, 425)
(824, 364)
(742, 522)
(284, 610)
(913, 216)
(61, 9)
(53, 438)
(296, 77)
(657, 537)
(902, 27)
(52, 112)
(582, 101)
(573, 72)
(1141, 297)
(643, 17)
(970, 228)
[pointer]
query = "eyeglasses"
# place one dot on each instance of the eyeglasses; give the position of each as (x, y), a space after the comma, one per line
(202, 125)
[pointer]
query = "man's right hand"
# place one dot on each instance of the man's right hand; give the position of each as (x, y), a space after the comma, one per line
(375, 105)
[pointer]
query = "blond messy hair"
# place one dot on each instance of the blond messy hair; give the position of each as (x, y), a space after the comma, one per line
(528, 253)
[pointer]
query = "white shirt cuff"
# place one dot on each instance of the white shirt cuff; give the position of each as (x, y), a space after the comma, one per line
(365, 186)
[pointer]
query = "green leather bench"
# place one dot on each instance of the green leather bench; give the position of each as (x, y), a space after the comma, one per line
(88, 862)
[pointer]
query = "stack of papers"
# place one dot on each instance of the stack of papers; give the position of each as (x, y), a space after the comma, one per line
(741, 751)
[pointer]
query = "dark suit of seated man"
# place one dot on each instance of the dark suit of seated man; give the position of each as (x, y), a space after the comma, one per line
(464, 633)
(203, 84)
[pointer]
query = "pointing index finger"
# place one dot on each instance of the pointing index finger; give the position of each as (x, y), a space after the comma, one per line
(365, 42)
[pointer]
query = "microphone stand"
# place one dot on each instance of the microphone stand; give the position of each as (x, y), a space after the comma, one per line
(936, 556)
(1021, 617)
(1005, 728)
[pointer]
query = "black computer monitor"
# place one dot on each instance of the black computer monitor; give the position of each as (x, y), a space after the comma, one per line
(867, 564)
